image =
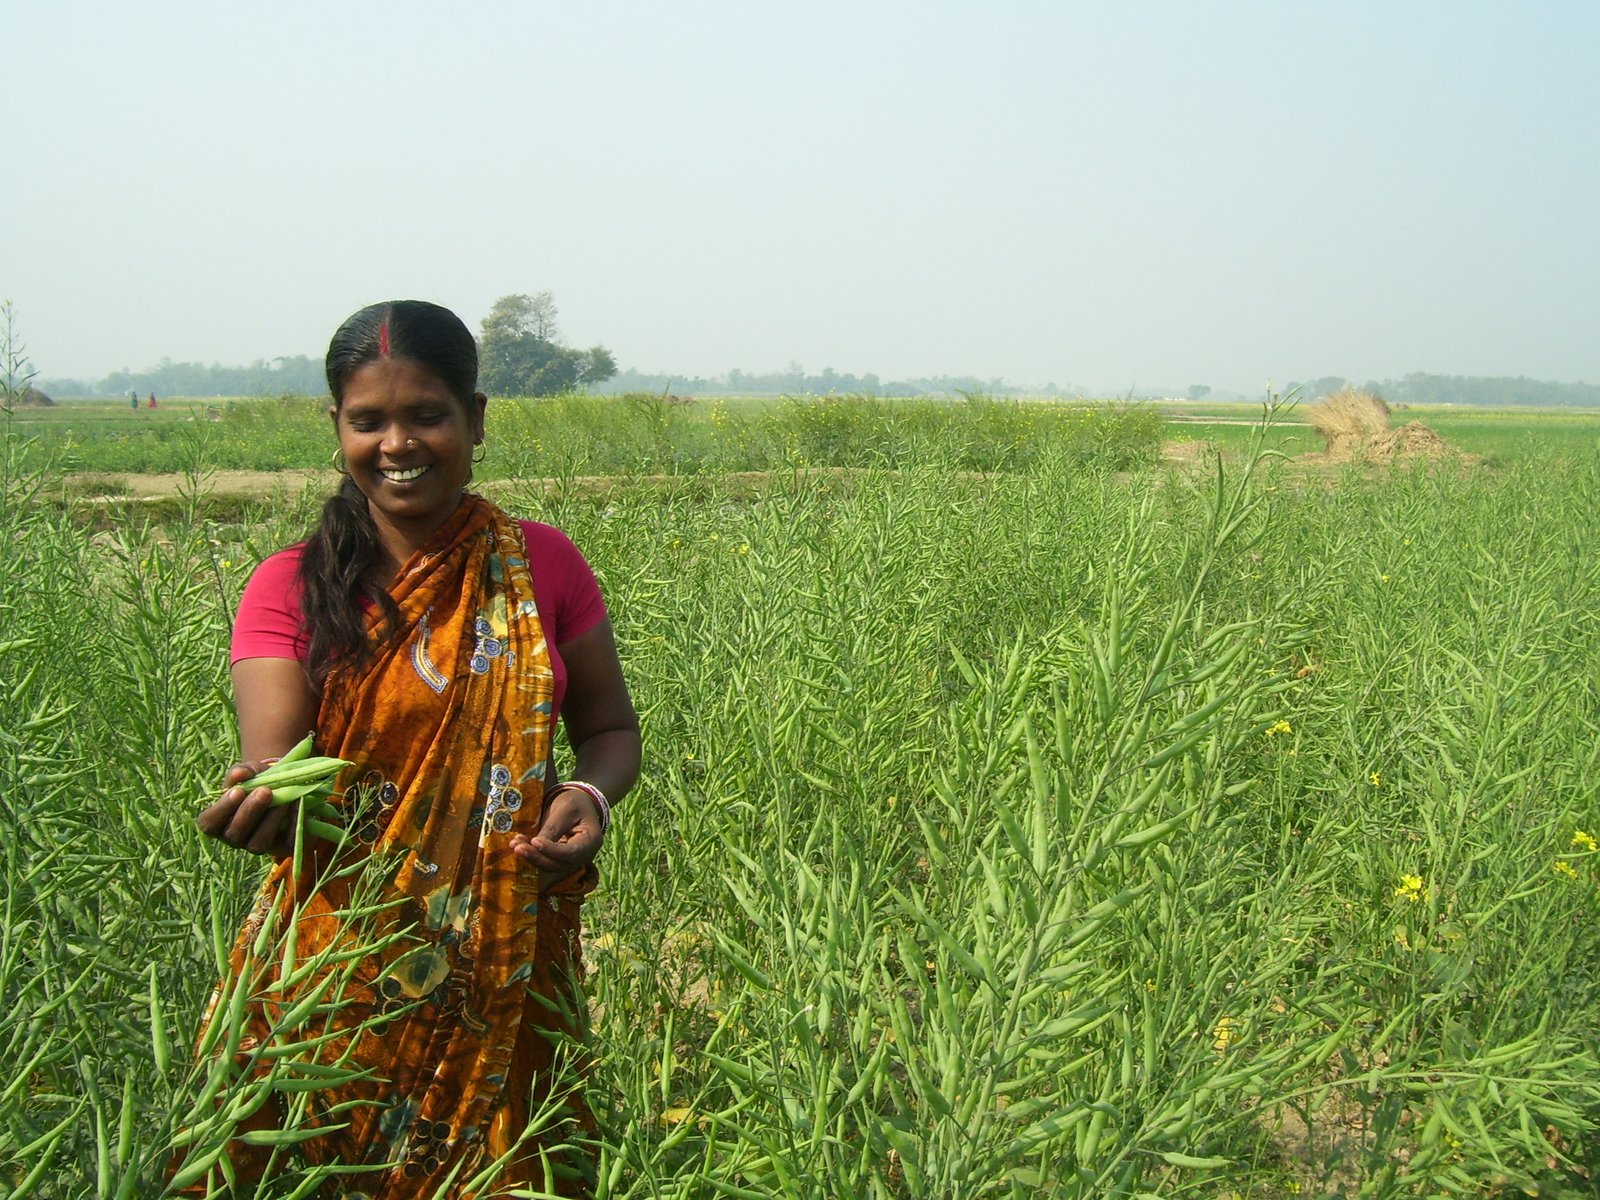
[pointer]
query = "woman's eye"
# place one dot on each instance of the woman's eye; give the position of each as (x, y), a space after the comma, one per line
(363, 426)
(430, 418)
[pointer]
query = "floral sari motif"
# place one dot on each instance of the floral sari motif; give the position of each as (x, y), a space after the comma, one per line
(448, 726)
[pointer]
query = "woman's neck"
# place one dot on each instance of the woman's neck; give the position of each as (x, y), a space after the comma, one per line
(401, 540)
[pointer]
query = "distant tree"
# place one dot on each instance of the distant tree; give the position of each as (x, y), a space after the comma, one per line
(520, 353)
(513, 316)
(542, 317)
(1198, 391)
(598, 366)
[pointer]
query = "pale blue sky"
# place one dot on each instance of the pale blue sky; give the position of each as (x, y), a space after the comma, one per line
(1133, 195)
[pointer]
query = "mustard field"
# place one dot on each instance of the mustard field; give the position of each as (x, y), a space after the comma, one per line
(1025, 812)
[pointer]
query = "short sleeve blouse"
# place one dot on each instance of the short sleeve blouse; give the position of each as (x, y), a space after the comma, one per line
(268, 624)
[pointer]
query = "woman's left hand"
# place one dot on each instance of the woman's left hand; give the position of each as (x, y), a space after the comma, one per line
(567, 840)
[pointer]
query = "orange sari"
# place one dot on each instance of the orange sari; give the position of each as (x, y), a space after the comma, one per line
(470, 1023)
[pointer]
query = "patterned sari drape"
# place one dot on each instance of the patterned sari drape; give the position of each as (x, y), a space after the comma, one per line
(464, 1020)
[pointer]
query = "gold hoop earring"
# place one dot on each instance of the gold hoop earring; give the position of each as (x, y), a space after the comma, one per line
(483, 452)
(340, 463)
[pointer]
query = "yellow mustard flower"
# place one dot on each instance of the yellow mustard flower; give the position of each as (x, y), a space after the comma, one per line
(1584, 841)
(1375, 779)
(1411, 887)
(1278, 727)
(1563, 868)
(1225, 1034)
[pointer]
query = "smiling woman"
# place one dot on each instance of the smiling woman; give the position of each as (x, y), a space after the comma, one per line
(433, 642)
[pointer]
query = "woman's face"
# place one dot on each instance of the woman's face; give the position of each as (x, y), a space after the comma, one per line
(407, 443)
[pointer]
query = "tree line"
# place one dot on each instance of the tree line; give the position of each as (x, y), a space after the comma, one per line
(1485, 390)
(295, 373)
(521, 353)
(797, 381)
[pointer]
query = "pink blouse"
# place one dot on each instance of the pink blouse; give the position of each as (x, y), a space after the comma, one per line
(268, 624)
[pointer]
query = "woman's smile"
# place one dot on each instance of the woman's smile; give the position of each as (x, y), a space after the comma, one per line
(403, 475)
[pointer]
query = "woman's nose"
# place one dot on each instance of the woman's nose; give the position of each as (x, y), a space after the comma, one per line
(396, 440)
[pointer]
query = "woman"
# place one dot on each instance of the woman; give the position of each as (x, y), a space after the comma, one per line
(434, 642)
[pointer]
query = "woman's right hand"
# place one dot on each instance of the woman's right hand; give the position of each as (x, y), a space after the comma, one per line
(276, 706)
(245, 817)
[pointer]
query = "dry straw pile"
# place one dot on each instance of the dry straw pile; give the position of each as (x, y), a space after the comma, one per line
(1355, 428)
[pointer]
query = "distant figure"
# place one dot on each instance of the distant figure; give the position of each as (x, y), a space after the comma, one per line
(133, 400)
(152, 399)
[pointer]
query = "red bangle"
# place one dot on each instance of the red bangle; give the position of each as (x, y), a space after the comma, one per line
(600, 802)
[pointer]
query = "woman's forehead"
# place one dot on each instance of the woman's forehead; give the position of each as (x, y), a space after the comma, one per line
(394, 381)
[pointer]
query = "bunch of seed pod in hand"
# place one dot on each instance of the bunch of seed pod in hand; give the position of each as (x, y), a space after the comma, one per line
(301, 775)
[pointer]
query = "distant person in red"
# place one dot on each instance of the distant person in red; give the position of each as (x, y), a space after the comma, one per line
(152, 399)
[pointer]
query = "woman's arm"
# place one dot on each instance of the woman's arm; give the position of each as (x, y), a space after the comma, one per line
(276, 708)
(601, 725)
(603, 730)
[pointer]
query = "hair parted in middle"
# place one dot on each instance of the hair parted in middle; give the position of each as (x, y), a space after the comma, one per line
(429, 334)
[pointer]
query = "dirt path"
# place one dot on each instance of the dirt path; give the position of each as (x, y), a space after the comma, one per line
(230, 483)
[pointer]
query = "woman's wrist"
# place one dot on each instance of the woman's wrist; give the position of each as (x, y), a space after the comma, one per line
(601, 804)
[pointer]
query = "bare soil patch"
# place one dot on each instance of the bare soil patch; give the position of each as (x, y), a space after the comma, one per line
(230, 483)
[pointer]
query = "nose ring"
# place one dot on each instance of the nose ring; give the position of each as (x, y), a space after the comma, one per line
(410, 442)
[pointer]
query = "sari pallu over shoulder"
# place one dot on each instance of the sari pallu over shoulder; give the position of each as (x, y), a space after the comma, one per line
(448, 726)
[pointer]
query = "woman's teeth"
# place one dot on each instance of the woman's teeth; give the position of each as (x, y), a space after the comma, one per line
(405, 476)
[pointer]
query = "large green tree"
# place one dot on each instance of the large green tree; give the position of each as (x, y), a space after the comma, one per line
(520, 351)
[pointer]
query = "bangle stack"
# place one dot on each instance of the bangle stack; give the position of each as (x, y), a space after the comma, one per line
(602, 805)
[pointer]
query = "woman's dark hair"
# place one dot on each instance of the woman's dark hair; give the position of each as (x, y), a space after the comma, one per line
(339, 557)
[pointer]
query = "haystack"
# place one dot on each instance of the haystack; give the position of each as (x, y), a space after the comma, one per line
(1348, 420)
(1355, 428)
(33, 397)
(1411, 440)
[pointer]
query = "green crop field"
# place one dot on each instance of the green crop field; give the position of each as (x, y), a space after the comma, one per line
(583, 435)
(1497, 435)
(1021, 816)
